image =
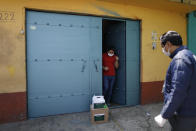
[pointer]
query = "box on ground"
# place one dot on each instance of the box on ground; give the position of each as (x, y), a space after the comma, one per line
(99, 115)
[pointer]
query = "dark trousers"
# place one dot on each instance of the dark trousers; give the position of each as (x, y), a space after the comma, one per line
(107, 87)
(182, 123)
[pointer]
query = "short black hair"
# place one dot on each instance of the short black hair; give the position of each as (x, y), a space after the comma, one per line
(110, 48)
(173, 37)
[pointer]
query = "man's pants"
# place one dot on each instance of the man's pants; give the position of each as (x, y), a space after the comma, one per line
(182, 123)
(107, 87)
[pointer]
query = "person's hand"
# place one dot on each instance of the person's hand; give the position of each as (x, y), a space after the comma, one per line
(117, 58)
(106, 68)
(160, 120)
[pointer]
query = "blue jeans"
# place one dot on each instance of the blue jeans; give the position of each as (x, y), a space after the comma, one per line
(108, 83)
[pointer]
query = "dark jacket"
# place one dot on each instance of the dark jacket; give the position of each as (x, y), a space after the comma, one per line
(180, 85)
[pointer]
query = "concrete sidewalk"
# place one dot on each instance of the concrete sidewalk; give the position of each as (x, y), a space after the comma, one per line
(137, 118)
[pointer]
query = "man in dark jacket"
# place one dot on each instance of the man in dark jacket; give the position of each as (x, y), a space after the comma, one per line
(180, 84)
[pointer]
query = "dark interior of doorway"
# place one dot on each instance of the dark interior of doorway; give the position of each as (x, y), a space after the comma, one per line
(114, 35)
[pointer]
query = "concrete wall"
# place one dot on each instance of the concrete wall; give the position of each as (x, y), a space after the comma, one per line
(155, 15)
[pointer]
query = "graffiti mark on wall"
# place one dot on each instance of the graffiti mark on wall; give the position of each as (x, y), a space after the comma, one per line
(107, 11)
(7, 16)
(11, 70)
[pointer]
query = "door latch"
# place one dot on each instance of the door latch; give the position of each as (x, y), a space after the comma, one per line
(83, 65)
(96, 67)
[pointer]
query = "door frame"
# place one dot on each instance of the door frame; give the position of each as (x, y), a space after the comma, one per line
(26, 9)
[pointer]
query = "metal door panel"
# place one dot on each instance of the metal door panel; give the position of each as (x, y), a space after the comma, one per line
(192, 31)
(133, 97)
(132, 76)
(53, 78)
(59, 62)
(132, 62)
(96, 56)
(55, 44)
(62, 103)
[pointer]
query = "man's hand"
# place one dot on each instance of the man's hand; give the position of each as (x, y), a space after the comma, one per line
(160, 120)
(105, 68)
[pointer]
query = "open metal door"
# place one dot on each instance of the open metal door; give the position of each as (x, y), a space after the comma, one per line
(132, 62)
(192, 31)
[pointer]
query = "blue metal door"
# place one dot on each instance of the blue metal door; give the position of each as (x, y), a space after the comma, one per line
(132, 62)
(95, 56)
(63, 63)
(192, 31)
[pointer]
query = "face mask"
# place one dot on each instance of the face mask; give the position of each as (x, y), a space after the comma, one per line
(166, 53)
(109, 54)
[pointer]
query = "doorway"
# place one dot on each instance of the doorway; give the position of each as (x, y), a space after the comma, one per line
(114, 36)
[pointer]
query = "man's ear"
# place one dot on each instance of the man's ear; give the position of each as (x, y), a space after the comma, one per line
(169, 44)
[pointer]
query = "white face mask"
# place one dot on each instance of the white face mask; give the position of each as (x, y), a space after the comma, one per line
(166, 53)
(109, 54)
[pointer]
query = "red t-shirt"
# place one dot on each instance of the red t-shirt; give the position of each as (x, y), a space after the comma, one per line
(109, 61)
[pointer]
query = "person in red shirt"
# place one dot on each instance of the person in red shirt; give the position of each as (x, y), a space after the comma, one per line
(110, 63)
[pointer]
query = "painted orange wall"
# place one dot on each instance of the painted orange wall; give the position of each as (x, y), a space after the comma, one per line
(154, 17)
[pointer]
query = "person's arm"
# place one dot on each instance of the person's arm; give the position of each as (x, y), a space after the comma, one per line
(116, 63)
(180, 79)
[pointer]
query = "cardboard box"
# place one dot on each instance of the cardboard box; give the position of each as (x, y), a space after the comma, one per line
(100, 115)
